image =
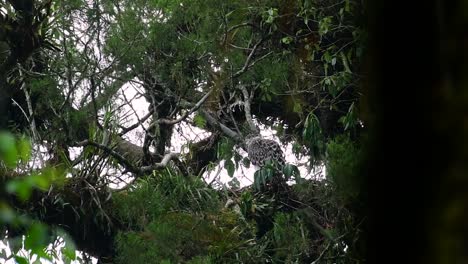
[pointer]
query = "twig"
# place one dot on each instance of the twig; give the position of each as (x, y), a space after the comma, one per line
(321, 254)
(240, 25)
(247, 62)
(184, 116)
(140, 121)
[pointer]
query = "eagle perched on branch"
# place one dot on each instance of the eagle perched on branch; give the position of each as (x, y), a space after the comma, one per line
(260, 150)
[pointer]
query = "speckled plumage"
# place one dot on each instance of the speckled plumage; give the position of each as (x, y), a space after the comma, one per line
(260, 150)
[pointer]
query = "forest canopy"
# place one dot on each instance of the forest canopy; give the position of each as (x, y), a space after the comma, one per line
(83, 163)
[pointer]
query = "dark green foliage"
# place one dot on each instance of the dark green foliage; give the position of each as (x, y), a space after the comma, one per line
(15, 151)
(174, 219)
(291, 238)
(313, 137)
(344, 159)
(161, 193)
(263, 176)
(8, 150)
(291, 171)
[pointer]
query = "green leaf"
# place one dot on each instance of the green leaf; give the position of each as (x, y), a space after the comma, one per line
(324, 25)
(15, 244)
(229, 166)
(234, 183)
(22, 188)
(297, 107)
(270, 15)
(327, 57)
(345, 62)
(199, 121)
(246, 162)
(312, 130)
(290, 170)
(69, 252)
(7, 215)
(37, 237)
(41, 253)
(287, 40)
(237, 158)
(257, 180)
(8, 151)
(263, 175)
(350, 119)
(21, 260)
(296, 149)
(225, 149)
(263, 179)
(24, 148)
(42, 182)
(287, 171)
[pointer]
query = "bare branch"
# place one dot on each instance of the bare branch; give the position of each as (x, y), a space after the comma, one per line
(247, 63)
(241, 25)
(123, 161)
(226, 130)
(249, 58)
(167, 157)
(140, 121)
(186, 114)
(248, 114)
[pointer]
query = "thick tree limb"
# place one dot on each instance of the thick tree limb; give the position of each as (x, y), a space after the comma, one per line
(202, 153)
(130, 155)
(215, 123)
(166, 159)
(120, 158)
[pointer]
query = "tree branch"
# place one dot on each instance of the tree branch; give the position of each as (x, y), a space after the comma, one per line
(241, 25)
(186, 114)
(215, 123)
(247, 63)
(125, 130)
(125, 162)
(167, 157)
(248, 114)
